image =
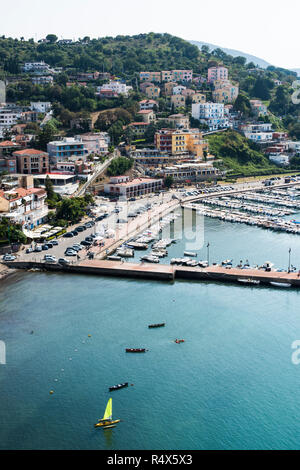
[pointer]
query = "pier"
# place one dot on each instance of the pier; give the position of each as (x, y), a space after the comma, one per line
(161, 272)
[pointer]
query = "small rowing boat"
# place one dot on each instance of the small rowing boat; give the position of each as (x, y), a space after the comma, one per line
(117, 387)
(135, 350)
(156, 325)
(281, 284)
(179, 341)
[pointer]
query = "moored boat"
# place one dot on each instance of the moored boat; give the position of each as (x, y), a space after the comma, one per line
(156, 325)
(117, 387)
(135, 350)
(249, 281)
(280, 284)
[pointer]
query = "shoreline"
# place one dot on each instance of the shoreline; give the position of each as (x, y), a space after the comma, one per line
(6, 272)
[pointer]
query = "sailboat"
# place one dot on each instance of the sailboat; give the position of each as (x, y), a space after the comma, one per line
(107, 421)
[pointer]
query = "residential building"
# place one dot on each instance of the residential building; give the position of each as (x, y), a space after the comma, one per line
(9, 115)
(258, 132)
(155, 157)
(293, 146)
(42, 80)
(179, 120)
(211, 114)
(148, 104)
(138, 128)
(31, 161)
(279, 159)
(187, 172)
(217, 73)
(116, 87)
(182, 75)
(145, 85)
(40, 106)
(60, 150)
(176, 141)
(96, 143)
(258, 108)
(8, 164)
(166, 76)
(188, 92)
(24, 206)
(123, 186)
(63, 184)
(226, 94)
(154, 77)
(152, 91)
(198, 98)
(7, 147)
(178, 101)
(36, 67)
(177, 90)
(147, 115)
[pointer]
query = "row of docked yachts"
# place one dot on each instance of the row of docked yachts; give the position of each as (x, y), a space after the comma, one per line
(269, 198)
(272, 223)
(247, 207)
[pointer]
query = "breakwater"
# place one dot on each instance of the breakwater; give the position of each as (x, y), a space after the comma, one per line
(169, 273)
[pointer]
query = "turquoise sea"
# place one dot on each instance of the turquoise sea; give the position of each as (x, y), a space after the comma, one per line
(231, 385)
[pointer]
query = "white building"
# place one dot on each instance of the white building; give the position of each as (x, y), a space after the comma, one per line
(123, 186)
(117, 87)
(96, 142)
(177, 90)
(42, 80)
(60, 150)
(211, 114)
(279, 159)
(40, 106)
(36, 67)
(294, 146)
(259, 132)
(9, 115)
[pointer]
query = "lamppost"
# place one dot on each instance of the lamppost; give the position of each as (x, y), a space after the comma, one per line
(207, 246)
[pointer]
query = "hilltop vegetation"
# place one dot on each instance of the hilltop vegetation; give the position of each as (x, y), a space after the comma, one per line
(239, 155)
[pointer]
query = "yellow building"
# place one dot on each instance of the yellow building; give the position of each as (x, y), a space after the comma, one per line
(198, 98)
(178, 141)
(178, 100)
(152, 92)
(168, 88)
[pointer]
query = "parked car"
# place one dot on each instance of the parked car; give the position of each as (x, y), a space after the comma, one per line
(29, 250)
(54, 242)
(88, 239)
(45, 247)
(63, 261)
(38, 249)
(69, 252)
(49, 259)
(8, 257)
(69, 235)
(85, 243)
(80, 228)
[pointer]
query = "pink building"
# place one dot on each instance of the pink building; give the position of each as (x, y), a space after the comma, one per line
(217, 73)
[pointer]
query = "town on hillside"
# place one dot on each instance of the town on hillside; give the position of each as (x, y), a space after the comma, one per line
(68, 133)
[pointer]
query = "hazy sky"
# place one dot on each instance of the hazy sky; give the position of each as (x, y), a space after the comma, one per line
(268, 29)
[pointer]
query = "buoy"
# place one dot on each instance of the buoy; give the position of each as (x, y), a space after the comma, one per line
(89, 336)
(51, 392)
(55, 380)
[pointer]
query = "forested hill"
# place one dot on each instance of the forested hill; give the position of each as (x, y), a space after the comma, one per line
(124, 56)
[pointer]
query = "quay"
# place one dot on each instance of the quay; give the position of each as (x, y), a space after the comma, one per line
(162, 272)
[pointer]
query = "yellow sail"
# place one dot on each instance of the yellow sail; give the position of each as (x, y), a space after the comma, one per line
(108, 410)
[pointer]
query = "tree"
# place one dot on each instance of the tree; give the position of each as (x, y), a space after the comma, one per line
(52, 38)
(168, 181)
(46, 135)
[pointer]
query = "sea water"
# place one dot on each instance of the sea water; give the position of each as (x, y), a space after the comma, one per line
(231, 385)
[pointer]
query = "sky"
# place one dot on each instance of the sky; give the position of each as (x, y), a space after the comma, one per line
(268, 29)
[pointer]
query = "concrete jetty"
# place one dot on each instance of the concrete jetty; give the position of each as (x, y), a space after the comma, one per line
(161, 272)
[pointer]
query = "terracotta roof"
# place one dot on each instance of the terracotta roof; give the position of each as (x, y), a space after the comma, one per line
(29, 152)
(8, 143)
(145, 111)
